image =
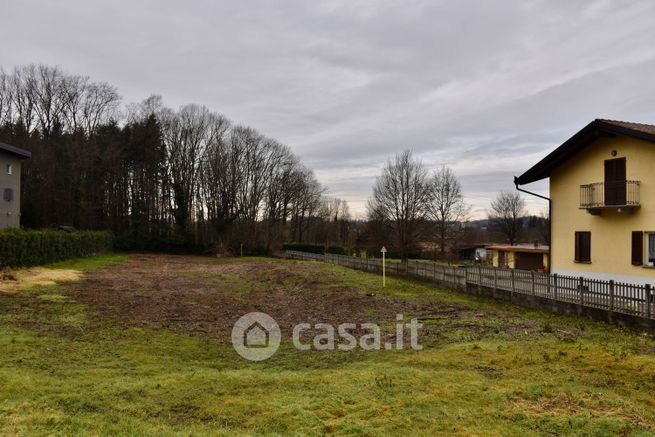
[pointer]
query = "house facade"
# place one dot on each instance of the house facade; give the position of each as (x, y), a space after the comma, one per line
(602, 196)
(11, 159)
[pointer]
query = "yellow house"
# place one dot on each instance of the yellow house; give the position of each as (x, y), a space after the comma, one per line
(519, 256)
(602, 195)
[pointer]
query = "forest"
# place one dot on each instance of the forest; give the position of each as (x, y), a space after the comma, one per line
(191, 180)
(185, 179)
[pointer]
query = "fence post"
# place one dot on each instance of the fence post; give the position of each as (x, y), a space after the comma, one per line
(533, 284)
(611, 309)
(548, 284)
(466, 278)
(479, 278)
(555, 285)
(495, 281)
(511, 295)
(648, 298)
(581, 289)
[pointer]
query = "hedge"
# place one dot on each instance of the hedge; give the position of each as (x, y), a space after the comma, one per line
(337, 250)
(34, 247)
(305, 247)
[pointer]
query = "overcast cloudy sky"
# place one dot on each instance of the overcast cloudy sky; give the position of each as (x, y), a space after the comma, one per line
(487, 88)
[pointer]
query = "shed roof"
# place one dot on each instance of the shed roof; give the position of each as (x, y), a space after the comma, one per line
(520, 248)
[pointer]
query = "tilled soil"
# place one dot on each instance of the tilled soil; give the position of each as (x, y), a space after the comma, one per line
(203, 295)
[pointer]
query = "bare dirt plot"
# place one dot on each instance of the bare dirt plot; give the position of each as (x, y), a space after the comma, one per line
(205, 295)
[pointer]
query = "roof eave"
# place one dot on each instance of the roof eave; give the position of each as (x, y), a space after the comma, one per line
(573, 145)
(15, 151)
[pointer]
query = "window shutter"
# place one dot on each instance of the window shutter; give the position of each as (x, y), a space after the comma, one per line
(586, 246)
(583, 246)
(637, 248)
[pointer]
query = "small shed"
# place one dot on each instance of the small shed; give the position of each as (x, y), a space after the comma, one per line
(472, 252)
(521, 256)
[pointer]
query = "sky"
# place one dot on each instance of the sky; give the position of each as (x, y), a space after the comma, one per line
(486, 88)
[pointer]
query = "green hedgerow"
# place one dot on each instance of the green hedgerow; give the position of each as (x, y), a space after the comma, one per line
(19, 247)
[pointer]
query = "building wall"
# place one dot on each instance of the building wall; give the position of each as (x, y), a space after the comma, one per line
(611, 232)
(9, 211)
(510, 259)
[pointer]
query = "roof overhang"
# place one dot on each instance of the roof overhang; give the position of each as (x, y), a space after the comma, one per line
(589, 133)
(521, 249)
(15, 151)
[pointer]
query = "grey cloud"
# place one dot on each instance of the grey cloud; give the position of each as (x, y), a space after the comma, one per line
(487, 88)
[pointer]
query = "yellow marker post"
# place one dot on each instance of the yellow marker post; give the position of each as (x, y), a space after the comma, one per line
(384, 266)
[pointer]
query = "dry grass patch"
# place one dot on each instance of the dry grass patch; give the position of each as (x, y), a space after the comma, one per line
(16, 280)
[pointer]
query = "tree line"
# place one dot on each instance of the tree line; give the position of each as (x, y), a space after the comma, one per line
(417, 211)
(158, 178)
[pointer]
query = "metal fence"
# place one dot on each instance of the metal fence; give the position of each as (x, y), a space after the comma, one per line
(610, 193)
(612, 296)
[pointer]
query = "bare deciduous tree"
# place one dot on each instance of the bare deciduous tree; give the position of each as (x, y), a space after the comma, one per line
(400, 198)
(335, 214)
(99, 104)
(506, 215)
(447, 207)
(157, 174)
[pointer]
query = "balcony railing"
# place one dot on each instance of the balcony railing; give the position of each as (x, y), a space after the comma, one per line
(617, 194)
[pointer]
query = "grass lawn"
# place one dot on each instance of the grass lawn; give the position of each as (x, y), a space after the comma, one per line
(139, 345)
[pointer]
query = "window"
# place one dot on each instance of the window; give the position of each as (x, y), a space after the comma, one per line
(9, 194)
(650, 248)
(637, 248)
(583, 247)
(10, 169)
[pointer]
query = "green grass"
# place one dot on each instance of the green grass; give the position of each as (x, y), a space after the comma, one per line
(90, 263)
(559, 375)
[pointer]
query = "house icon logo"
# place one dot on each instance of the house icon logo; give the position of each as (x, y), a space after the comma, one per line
(256, 336)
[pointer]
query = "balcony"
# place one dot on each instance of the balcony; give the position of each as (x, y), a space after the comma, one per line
(622, 196)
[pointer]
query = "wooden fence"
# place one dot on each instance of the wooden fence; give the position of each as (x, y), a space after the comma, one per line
(614, 297)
